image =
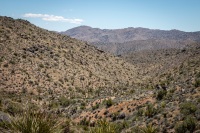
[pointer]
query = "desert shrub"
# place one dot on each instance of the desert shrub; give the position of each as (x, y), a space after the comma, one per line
(13, 108)
(1, 104)
(108, 103)
(85, 122)
(122, 125)
(188, 125)
(140, 112)
(5, 65)
(64, 101)
(188, 108)
(103, 126)
(197, 83)
(82, 105)
(34, 122)
(136, 129)
(53, 104)
(95, 106)
(163, 104)
(41, 65)
(1, 59)
(197, 114)
(180, 128)
(12, 62)
(149, 129)
(160, 95)
(114, 116)
(150, 110)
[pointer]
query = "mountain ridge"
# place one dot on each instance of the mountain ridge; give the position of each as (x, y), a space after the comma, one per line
(119, 41)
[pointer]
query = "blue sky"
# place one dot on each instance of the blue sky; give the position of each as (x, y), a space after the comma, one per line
(60, 15)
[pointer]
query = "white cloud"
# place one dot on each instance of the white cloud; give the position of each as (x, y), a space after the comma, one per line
(47, 17)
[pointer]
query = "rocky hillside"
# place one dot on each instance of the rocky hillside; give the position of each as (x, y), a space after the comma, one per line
(49, 79)
(36, 58)
(120, 41)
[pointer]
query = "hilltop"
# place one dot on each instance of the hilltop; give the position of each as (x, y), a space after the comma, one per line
(122, 41)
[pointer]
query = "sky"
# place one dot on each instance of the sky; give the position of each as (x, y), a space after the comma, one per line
(61, 15)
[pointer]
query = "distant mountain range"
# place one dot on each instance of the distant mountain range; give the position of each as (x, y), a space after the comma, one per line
(122, 41)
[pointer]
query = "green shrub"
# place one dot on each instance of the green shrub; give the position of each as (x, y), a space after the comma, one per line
(95, 107)
(197, 83)
(149, 129)
(64, 101)
(180, 128)
(53, 104)
(83, 106)
(114, 116)
(140, 112)
(1, 105)
(13, 108)
(34, 122)
(1, 59)
(188, 125)
(197, 114)
(188, 108)
(161, 94)
(108, 103)
(104, 127)
(41, 65)
(12, 62)
(85, 122)
(150, 110)
(136, 129)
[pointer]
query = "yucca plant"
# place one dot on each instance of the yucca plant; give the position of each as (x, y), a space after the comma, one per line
(34, 122)
(104, 127)
(149, 129)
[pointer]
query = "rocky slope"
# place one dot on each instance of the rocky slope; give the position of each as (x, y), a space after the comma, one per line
(157, 90)
(34, 58)
(120, 41)
(174, 87)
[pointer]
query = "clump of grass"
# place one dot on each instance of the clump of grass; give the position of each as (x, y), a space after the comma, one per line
(104, 127)
(149, 129)
(34, 122)
(150, 110)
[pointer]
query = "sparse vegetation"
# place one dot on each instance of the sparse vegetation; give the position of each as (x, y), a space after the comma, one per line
(66, 78)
